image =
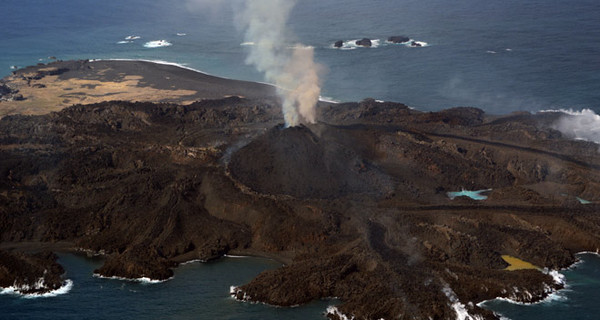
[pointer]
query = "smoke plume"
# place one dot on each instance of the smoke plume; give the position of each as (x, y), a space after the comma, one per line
(290, 67)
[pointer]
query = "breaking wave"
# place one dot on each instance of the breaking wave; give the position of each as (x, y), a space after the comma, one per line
(17, 290)
(580, 125)
(332, 310)
(416, 44)
(351, 44)
(143, 280)
(157, 44)
(376, 43)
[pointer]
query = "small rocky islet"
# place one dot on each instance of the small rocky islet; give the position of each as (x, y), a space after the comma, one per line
(355, 205)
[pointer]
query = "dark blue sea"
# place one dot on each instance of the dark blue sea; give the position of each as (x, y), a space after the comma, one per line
(197, 291)
(498, 55)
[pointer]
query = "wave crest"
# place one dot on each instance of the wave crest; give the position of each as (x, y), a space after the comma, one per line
(157, 44)
(580, 125)
(18, 290)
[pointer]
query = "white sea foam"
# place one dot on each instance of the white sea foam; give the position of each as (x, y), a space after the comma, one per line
(333, 310)
(192, 261)
(597, 252)
(124, 41)
(580, 125)
(235, 290)
(181, 34)
(132, 37)
(553, 295)
(157, 44)
(419, 44)
(328, 99)
(18, 290)
(143, 280)
(458, 307)
(234, 256)
(351, 44)
(557, 296)
(491, 51)
(403, 43)
(247, 43)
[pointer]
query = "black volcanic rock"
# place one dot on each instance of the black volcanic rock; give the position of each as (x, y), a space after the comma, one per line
(4, 89)
(30, 273)
(364, 42)
(294, 161)
(355, 205)
(338, 44)
(398, 39)
(146, 264)
(415, 44)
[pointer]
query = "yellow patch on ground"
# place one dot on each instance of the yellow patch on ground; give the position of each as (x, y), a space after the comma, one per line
(51, 94)
(517, 264)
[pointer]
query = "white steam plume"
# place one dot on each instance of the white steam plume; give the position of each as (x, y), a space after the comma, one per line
(583, 125)
(291, 68)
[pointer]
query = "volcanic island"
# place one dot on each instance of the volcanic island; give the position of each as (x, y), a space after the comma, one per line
(397, 213)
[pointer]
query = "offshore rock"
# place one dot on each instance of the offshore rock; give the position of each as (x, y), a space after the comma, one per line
(398, 39)
(364, 42)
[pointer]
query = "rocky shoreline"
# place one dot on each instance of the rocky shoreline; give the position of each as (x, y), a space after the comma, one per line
(355, 205)
(30, 274)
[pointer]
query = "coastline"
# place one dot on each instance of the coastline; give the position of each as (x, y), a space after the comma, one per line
(554, 295)
(331, 224)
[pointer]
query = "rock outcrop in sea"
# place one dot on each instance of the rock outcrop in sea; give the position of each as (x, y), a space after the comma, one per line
(398, 39)
(364, 42)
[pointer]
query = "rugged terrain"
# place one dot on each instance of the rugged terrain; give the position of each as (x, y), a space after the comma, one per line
(355, 205)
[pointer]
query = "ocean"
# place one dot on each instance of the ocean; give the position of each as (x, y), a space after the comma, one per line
(197, 291)
(500, 56)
